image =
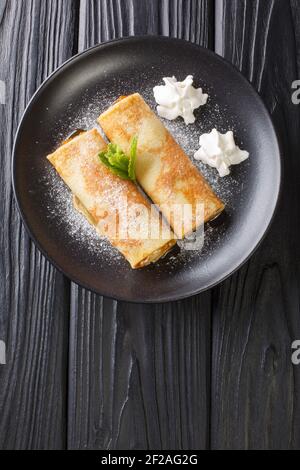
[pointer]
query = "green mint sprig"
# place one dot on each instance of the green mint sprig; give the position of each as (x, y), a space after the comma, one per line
(118, 162)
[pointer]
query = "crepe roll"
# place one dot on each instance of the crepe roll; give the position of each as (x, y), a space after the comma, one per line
(116, 207)
(163, 169)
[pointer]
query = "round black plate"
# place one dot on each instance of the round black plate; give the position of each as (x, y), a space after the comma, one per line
(75, 95)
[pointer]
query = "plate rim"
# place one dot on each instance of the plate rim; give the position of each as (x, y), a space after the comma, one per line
(168, 297)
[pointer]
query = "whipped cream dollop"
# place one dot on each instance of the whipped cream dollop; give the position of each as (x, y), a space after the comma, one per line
(220, 151)
(176, 99)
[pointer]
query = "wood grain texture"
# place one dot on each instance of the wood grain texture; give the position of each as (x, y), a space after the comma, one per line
(149, 377)
(296, 19)
(139, 376)
(255, 388)
(35, 37)
(102, 20)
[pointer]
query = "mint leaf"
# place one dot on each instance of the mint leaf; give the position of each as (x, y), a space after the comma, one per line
(118, 162)
(132, 159)
(115, 170)
(120, 173)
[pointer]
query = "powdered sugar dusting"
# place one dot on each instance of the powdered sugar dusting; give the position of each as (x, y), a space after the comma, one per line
(61, 210)
(230, 189)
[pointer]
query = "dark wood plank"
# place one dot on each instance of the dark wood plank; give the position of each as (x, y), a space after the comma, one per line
(255, 389)
(102, 20)
(35, 37)
(139, 376)
(296, 19)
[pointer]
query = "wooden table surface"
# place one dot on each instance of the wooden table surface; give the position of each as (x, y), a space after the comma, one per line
(213, 371)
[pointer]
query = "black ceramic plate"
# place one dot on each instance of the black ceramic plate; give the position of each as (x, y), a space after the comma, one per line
(75, 95)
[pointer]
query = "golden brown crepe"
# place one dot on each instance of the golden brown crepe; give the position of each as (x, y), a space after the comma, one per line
(163, 169)
(104, 198)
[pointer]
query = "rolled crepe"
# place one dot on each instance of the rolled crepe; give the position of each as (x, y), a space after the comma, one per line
(114, 206)
(163, 169)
